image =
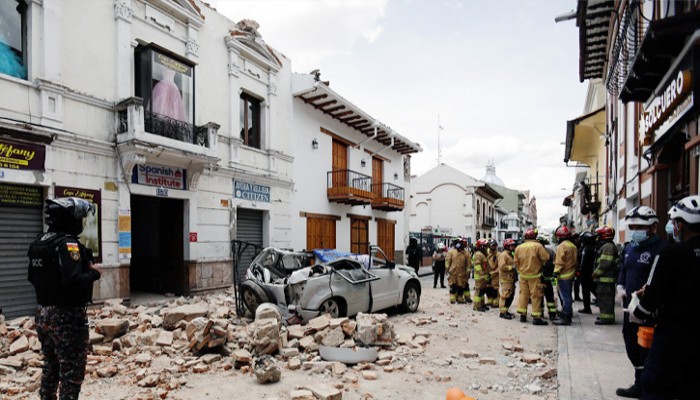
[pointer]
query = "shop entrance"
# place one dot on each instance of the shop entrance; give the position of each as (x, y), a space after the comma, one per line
(157, 253)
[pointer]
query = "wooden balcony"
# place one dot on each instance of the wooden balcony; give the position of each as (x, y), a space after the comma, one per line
(387, 197)
(349, 187)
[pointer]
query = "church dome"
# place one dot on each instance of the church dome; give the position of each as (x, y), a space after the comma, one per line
(490, 176)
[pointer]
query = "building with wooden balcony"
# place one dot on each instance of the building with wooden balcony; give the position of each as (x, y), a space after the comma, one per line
(351, 173)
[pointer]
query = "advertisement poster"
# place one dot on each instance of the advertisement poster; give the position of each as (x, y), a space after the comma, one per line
(21, 196)
(92, 224)
(124, 232)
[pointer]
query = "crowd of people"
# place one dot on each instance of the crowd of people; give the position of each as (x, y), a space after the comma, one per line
(655, 280)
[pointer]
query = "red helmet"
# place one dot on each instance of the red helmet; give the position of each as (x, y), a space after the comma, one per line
(530, 234)
(508, 242)
(563, 232)
(481, 244)
(605, 233)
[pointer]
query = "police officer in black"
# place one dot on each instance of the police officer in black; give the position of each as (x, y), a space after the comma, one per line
(60, 268)
(671, 368)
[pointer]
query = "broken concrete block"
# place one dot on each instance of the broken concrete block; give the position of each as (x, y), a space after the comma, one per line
(319, 323)
(165, 338)
(241, 357)
(20, 345)
(530, 358)
(268, 310)
(295, 331)
(264, 336)
(325, 392)
(210, 358)
(112, 327)
(267, 370)
(188, 312)
(302, 395)
(487, 360)
(333, 338)
(294, 363)
(348, 327)
(286, 353)
(369, 375)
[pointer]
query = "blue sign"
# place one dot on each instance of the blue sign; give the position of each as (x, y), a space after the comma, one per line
(251, 191)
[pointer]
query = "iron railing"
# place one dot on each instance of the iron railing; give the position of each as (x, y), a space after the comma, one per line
(350, 179)
(489, 221)
(388, 191)
(626, 46)
(162, 125)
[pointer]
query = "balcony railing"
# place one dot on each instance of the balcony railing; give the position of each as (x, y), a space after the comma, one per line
(349, 187)
(489, 221)
(387, 197)
(133, 118)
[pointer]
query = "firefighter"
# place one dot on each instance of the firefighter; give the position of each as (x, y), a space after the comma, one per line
(548, 279)
(458, 265)
(482, 279)
(528, 259)
(565, 262)
(637, 257)
(671, 295)
(493, 291)
(60, 268)
(605, 275)
(506, 276)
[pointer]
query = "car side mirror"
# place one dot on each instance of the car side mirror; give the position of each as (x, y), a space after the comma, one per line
(390, 265)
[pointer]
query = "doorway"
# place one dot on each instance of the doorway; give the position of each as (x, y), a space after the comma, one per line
(157, 246)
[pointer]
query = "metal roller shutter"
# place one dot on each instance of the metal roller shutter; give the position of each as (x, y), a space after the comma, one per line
(18, 228)
(249, 228)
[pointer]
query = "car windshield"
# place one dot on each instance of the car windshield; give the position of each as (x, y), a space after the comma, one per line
(292, 262)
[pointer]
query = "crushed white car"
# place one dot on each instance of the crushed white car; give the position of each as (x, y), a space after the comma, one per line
(341, 287)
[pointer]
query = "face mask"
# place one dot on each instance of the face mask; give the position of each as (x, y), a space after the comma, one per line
(669, 228)
(639, 236)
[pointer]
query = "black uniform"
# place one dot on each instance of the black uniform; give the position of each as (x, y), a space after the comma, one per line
(586, 266)
(414, 254)
(671, 369)
(548, 281)
(60, 270)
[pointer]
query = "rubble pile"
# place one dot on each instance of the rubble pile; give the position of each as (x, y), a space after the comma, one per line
(153, 348)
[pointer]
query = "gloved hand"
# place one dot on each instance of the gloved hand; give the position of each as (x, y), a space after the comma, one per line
(634, 319)
(621, 293)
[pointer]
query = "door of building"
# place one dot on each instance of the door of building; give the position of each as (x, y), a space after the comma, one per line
(249, 228)
(157, 246)
(19, 226)
(320, 233)
(340, 164)
(377, 176)
(386, 237)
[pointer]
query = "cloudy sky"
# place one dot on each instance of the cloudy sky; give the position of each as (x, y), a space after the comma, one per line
(500, 74)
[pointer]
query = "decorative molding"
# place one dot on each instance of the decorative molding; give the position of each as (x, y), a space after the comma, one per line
(233, 69)
(123, 10)
(192, 47)
(196, 173)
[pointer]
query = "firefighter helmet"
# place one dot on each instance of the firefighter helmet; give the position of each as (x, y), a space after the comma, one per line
(508, 242)
(481, 244)
(605, 233)
(493, 243)
(563, 232)
(530, 234)
(687, 209)
(641, 215)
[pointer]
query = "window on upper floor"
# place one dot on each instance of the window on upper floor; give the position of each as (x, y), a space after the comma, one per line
(13, 38)
(165, 82)
(250, 120)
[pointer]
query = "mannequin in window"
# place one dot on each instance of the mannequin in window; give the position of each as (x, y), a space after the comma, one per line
(167, 100)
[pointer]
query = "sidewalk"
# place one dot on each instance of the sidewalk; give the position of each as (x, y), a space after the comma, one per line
(592, 359)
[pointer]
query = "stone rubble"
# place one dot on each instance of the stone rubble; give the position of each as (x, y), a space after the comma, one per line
(154, 348)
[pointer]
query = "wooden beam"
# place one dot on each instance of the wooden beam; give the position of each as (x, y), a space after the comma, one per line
(340, 114)
(314, 98)
(362, 121)
(338, 137)
(336, 108)
(325, 103)
(319, 216)
(345, 121)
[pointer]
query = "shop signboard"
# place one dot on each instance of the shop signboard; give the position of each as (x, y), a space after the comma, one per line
(22, 156)
(162, 176)
(91, 236)
(21, 196)
(251, 191)
(666, 108)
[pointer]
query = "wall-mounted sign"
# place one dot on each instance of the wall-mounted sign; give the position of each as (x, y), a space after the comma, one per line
(91, 236)
(124, 232)
(193, 236)
(160, 175)
(21, 196)
(665, 106)
(16, 155)
(251, 191)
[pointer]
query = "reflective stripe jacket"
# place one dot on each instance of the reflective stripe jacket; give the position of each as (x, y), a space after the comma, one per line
(506, 269)
(493, 262)
(606, 270)
(566, 260)
(529, 258)
(457, 263)
(480, 264)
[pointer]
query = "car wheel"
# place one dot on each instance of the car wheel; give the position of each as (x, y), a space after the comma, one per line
(252, 296)
(332, 307)
(411, 297)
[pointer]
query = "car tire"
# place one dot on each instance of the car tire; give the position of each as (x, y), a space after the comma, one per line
(253, 296)
(411, 297)
(332, 306)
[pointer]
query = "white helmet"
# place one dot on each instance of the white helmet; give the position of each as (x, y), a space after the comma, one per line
(641, 215)
(687, 209)
(441, 246)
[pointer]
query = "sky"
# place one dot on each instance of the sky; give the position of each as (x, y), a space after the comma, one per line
(500, 75)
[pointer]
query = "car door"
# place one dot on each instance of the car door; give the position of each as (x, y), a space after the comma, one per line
(351, 282)
(385, 290)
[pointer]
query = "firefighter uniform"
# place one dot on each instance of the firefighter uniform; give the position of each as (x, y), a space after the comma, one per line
(482, 279)
(605, 275)
(506, 276)
(494, 292)
(565, 262)
(549, 282)
(458, 266)
(528, 259)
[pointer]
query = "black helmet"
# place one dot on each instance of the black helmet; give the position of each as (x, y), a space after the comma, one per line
(65, 214)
